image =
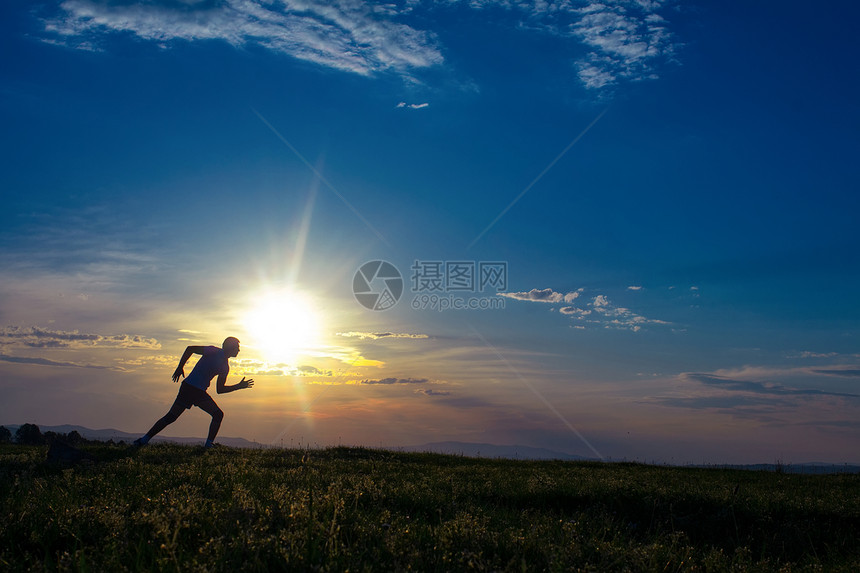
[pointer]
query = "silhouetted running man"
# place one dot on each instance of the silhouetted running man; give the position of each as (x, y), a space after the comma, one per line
(192, 391)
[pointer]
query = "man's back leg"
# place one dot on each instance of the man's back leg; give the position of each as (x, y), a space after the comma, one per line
(211, 408)
(170, 417)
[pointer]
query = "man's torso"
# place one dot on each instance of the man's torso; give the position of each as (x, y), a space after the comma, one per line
(211, 364)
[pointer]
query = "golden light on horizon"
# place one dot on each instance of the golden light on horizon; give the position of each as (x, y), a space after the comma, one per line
(282, 325)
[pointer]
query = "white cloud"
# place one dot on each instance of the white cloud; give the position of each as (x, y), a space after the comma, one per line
(346, 35)
(378, 335)
(624, 39)
(600, 301)
(634, 287)
(542, 295)
(601, 312)
(390, 381)
(37, 337)
(810, 354)
(403, 104)
(620, 317)
(573, 295)
(254, 367)
(594, 76)
(572, 310)
(431, 392)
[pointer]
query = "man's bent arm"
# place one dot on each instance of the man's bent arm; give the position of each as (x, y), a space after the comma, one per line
(180, 370)
(221, 386)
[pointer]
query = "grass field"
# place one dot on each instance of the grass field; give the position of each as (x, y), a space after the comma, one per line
(169, 507)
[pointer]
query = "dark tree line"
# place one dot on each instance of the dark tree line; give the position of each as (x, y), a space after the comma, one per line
(31, 435)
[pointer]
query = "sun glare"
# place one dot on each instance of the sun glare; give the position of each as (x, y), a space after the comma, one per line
(282, 325)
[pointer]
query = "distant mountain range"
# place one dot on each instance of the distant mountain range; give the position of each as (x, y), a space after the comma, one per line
(117, 435)
(467, 449)
(473, 450)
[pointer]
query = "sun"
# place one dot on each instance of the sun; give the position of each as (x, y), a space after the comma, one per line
(281, 325)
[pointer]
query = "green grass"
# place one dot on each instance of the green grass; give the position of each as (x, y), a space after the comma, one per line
(169, 507)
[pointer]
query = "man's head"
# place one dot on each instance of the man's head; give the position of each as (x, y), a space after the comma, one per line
(231, 346)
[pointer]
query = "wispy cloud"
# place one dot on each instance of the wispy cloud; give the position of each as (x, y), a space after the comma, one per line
(431, 392)
(757, 387)
(346, 35)
(147, 362)
(47, 362)
(845, 372)
(253, 367)
(627, 39)
(36, 337)
(723, 402)
(839, 424)
(307, 370)
(769, 396)
(810, 354)
(543, 295)
(380, 335)
(574, 311)
(598, 312)
(618, 316)
(89, 242)
(624, 39)
(403, 104)
(389, 381)
(315, 375)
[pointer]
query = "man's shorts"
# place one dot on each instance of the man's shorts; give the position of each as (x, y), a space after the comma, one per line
(192, 396)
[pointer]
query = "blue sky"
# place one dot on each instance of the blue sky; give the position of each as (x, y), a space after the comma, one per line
(672, 186)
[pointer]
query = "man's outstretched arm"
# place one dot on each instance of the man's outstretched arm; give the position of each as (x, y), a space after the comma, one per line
(180, 370)
(222, 387)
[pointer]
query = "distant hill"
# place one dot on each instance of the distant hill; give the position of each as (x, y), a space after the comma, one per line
(804, 468)
(474, 450)
(117, 435)
(467, 449)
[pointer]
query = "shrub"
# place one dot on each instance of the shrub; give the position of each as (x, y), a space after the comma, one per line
(29, 434)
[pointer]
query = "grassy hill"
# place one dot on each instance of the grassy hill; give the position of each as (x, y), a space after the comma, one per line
(173, 507)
